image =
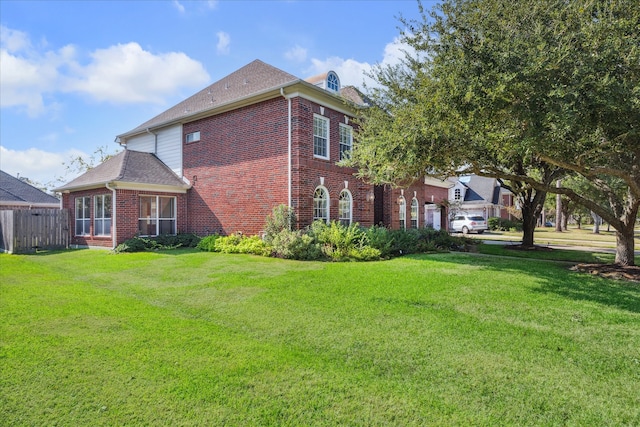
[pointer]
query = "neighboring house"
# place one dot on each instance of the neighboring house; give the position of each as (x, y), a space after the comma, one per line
(478, 195)
(17, 194)
(221, 160)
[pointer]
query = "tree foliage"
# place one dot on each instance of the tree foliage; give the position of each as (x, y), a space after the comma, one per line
(527, 92)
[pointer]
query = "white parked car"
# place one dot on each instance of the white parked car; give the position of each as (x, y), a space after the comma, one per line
(469, 223)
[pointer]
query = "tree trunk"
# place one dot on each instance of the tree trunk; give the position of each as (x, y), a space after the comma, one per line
(528, 227)
(625, 247)
(596, 222)
(559, 207)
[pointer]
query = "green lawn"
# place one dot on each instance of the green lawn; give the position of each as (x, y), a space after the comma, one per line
(88, 338)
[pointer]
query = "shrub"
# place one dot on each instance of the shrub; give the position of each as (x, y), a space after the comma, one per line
(380, 238)
(500, 224)
(338, 240)
(239, 244)
(208, 243)
(281, 218)
(181, 240)
(138, 244)
(296, 245)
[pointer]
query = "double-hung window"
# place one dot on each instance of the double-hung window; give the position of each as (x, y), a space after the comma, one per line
(157, 215)
(83, 216)
(346, 140)
(320, 137)
(102, 215)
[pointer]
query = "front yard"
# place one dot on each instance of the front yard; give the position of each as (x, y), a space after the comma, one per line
(195, 338)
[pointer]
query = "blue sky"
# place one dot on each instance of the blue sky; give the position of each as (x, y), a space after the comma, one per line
(74, 74)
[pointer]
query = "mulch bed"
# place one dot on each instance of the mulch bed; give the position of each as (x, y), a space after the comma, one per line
(609, 271)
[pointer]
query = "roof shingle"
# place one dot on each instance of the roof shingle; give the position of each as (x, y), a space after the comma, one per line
(15, 190)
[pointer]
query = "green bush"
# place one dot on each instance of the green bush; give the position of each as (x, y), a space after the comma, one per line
(500, 224)
(281, 218)
(337, 240)
(380, 238)
(208, 243)
(240, 244)
(181, 240)
(296, 245)
(138, 244)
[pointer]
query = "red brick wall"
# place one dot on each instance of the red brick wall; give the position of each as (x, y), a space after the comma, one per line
(239, 168)
(127, 211)
(308, 171)
(423, 193)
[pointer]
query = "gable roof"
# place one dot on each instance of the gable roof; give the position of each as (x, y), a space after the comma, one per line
(14, 191)
(128, 169)
(253, 78)
(480, 188)
(250, 82)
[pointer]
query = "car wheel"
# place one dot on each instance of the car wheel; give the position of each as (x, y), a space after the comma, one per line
(465, 230)
(480, 231)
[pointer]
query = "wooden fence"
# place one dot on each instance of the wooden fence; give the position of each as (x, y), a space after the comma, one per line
(29, 230)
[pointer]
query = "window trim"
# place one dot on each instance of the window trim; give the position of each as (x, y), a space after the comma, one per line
(345, 220)
(333, 80)
(99, 216)
(316, 209)
(457, 194)
(349, 130)
(84, 220)
(327, 123)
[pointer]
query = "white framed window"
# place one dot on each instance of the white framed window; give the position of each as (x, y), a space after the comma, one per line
(402, 212)
(102, 215)
(157, 215)
(346, 141)
(414, 213)
(320, 136)
(457, 194)
(192, 137)
(345, 210)
(333, 82)
(83, 216)
(321, 204)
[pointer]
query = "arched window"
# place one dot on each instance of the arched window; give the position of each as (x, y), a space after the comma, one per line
(345, 207)
(414, 213)
(321, 204)
(457, 194)
(333, 82)
(402, 212)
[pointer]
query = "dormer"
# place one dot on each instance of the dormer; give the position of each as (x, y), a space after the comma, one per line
(328, 81)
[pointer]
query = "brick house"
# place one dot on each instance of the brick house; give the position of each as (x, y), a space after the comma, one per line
(222, 159)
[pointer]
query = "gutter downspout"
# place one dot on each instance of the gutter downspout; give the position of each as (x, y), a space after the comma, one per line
(114, 234)
(289, 166)
(155, 141)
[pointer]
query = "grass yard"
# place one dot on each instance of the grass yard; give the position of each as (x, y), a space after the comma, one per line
(180, 338)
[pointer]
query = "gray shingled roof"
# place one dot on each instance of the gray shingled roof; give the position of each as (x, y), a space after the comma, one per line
(253, 78)
(14, 190)
(480, 188)
(127, 166)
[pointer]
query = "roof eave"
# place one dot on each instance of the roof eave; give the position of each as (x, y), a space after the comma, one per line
(311, 91)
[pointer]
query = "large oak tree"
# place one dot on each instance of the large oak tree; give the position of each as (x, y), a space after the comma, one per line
(524, 91)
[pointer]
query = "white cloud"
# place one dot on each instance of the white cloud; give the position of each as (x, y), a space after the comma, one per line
(224, 40)
(212, 4)
(37, 165)
(178, 6)
(354, 73)
(296, 53)
(124, 73)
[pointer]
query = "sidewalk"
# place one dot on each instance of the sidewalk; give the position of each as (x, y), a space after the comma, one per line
(554, 246)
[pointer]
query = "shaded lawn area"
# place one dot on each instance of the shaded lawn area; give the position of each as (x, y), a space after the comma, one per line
(192, 338)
